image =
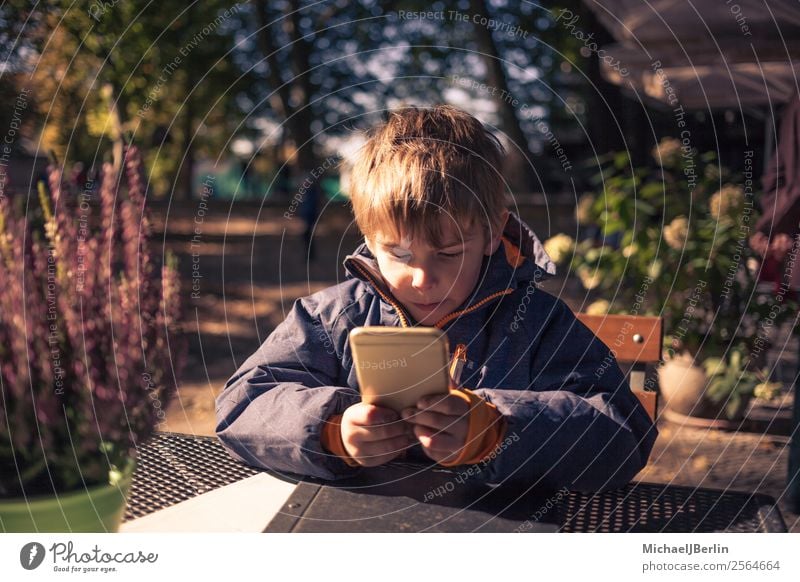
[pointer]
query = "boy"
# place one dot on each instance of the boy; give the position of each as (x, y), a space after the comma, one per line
(440, 250)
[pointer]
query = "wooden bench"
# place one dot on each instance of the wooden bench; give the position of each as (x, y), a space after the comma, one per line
(633, 339)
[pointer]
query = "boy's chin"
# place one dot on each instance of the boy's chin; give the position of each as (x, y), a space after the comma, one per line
(428, 318)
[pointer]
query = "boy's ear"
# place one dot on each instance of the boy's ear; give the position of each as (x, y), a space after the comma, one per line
(494, 242)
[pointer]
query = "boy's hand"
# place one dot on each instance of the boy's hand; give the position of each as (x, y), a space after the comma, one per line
(373, 435)
(441, 423)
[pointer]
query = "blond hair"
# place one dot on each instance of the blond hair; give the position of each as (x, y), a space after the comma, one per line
(425, 164)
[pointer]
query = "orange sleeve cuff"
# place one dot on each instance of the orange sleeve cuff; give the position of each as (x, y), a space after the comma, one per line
(487, 427)
(331, 438)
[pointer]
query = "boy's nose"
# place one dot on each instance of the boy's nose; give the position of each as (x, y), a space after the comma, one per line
(423, 280)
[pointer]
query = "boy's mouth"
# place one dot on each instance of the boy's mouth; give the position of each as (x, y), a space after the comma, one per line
(427, 306)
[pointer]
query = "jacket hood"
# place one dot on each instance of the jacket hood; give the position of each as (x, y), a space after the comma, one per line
(519, 259)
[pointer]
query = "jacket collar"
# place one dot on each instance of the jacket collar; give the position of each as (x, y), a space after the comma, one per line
(519, 259)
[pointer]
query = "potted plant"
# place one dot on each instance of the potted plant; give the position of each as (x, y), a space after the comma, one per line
(87, 319)
(672, 240)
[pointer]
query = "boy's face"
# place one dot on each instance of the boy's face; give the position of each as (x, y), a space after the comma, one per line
(432, 282)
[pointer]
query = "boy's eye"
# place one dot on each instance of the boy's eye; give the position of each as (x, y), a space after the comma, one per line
(400, 256)
(451, 255)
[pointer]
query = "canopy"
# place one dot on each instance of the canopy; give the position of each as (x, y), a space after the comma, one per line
(702, 54)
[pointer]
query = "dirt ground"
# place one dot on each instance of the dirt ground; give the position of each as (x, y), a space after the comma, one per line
(244, 267)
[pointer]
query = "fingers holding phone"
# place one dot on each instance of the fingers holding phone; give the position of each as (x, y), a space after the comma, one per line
(398, 369)
(441, 424)
(373, 435)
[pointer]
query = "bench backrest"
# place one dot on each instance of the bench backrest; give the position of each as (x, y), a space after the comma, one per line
(635, 340)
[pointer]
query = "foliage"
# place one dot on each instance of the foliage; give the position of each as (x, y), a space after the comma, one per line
(87, 357)
(673, 240)
(336, 65)
(166, 63)
(732, 384)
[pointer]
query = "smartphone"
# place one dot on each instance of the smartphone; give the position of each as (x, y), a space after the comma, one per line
(396, 366)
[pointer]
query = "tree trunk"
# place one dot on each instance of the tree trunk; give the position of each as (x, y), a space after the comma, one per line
(290, 99)
(302, 90)
(186, 180)
(496, 78)
(606, 105)
(185, 183)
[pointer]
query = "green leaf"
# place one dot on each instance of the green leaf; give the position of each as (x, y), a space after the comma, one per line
(651, 190)
(645, 207)
(736, 360)
(733, 406)
(622, 160)
(714, 366)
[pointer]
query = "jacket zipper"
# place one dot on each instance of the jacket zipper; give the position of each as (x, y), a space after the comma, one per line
(457, 365)
(447, 318)
(386, 297)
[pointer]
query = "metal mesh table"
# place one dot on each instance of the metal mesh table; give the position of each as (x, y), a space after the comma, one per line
(649, 507)
(175, 467)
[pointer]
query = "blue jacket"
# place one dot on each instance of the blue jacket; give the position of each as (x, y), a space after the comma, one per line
(572, 420)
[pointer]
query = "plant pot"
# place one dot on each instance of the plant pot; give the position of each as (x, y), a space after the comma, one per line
(683, 389)
(96, 509)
